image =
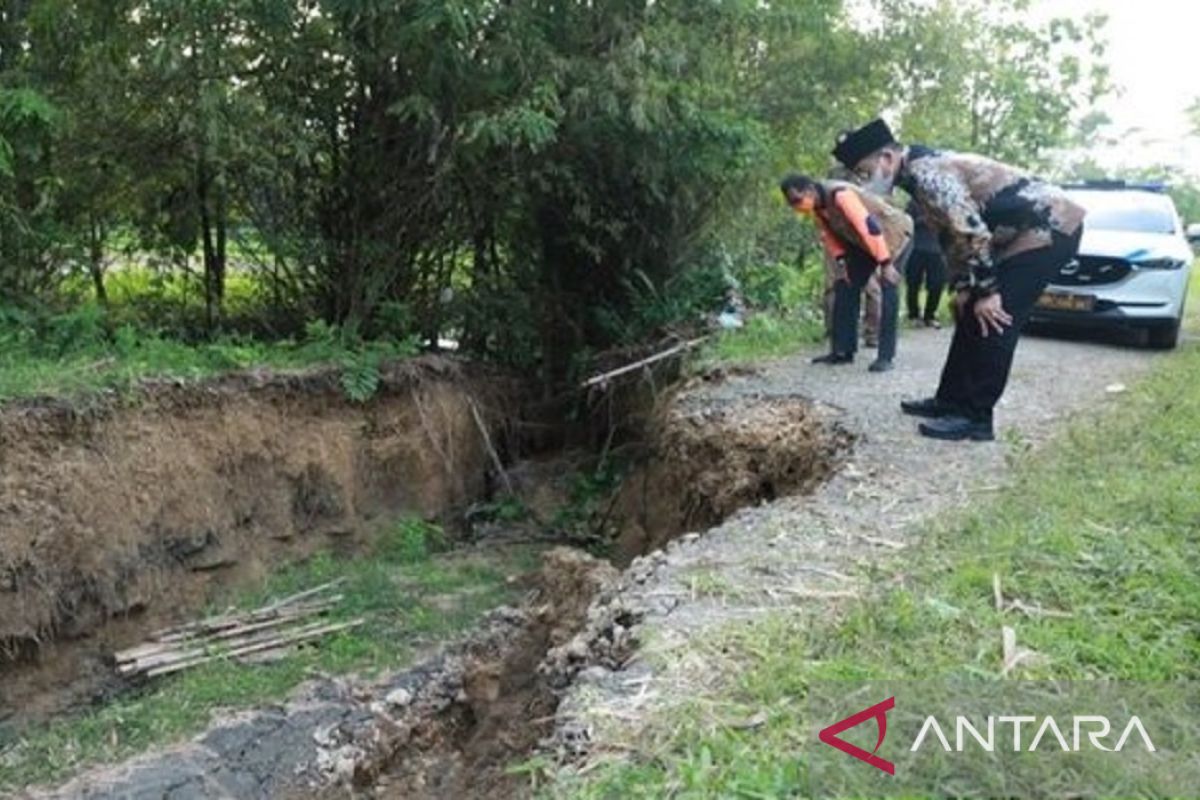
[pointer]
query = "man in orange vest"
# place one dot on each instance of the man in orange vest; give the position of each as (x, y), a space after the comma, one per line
(864, 235)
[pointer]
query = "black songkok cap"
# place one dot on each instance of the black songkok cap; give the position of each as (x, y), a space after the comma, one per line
(856, 145)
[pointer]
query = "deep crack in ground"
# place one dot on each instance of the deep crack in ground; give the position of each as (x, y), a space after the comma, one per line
(616, 650)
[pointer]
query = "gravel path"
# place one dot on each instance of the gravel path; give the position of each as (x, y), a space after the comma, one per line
(809, 549)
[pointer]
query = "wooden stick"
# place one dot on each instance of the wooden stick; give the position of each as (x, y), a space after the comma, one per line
(814, 594)
(256, 648)
(231, 634)
(302, 595)
(248, 623)
(206, 646)
(229, 619)
(487, 440)
(197, 625)
(172, 657)
(888, 543)
(131, 658)
(605, 376)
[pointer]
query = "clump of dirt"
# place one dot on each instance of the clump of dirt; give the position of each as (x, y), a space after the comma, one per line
(708, 458)
(140, 506)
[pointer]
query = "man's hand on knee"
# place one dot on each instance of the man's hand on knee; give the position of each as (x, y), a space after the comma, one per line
(992, 317)
(841, 272)
(889, 274)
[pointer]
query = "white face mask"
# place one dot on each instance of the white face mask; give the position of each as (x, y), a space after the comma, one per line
(880, 182)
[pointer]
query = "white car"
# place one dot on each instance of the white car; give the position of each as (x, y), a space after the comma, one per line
(1133, 266)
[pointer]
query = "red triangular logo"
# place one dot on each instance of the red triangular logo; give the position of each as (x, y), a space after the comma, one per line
(876, 712)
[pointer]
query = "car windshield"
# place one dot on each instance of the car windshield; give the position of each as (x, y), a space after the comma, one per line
(1140, 212)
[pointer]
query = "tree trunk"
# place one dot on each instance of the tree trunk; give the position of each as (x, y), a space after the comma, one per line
(221, 261)
(210, 199)
(557, 337)
(208, 244)
(96, 237)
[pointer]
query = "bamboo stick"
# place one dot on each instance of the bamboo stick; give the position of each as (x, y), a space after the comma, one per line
(604, 377)
(250, 621)
(302, 595)
(229, 634)
(230, 639)
(223, 619)
(203, 646)
(255, 648)
(487, 440)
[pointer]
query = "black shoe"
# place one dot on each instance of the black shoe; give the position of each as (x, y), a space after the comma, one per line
(930, 407)
(881, 365)
(871, 344)
(834, 359)
(957, 429)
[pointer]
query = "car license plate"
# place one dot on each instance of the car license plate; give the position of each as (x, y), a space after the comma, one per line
(1061, 301)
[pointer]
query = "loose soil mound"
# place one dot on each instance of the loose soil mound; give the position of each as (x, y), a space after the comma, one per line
(503, 703)
(708, 459)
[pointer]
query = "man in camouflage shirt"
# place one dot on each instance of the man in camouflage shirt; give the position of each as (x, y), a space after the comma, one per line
(1006, 234)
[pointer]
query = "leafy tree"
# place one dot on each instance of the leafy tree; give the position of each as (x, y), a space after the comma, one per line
(983, 78)
(540, 180)
(27, 187)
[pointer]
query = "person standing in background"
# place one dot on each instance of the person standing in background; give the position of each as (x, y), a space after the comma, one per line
(927, 266)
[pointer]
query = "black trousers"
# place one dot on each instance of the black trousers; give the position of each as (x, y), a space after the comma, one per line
(977, 368)
(847, 303)
(926, 267)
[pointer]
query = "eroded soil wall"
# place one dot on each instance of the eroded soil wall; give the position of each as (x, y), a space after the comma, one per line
(127, 504)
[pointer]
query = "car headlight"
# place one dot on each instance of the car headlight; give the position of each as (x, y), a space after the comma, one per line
(1160, 263)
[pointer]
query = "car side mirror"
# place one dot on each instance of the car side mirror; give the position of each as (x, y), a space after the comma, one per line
(1193, 233)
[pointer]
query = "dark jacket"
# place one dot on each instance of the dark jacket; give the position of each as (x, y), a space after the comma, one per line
(925, 238)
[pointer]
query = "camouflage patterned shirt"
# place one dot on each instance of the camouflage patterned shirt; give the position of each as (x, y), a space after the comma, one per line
(985, 212)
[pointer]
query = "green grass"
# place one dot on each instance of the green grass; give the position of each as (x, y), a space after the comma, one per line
(1103, 523)
(787, 317)
(409, 596)
(145, 294)
(765, 336)
(74, 353)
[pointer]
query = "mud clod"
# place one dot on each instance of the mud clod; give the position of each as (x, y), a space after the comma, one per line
(711, 458)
